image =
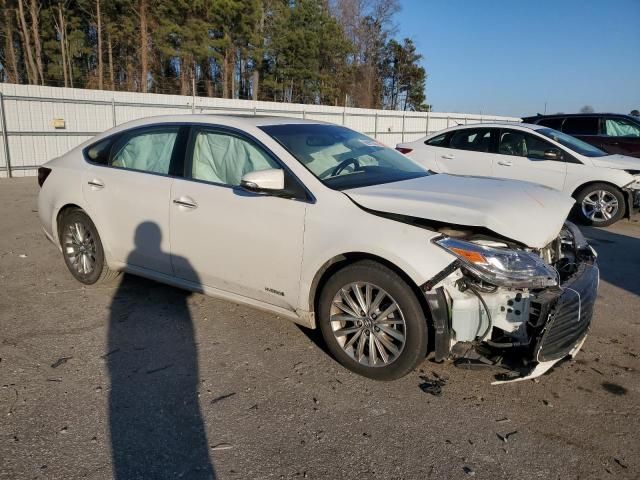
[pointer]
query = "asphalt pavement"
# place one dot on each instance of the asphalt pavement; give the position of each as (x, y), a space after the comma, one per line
(141, 380)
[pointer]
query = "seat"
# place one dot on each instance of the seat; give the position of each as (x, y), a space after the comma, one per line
(513, 144)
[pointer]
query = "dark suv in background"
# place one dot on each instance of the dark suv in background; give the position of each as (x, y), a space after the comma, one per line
(611, 132)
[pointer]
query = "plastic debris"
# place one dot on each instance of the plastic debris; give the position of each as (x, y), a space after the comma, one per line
(434, 387)
(60, 361)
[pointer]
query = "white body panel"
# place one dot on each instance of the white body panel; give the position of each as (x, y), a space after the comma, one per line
(564, 176)
(268, 251)
(238, 242)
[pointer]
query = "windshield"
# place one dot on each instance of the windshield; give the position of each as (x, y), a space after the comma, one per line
(342, 158)
(583, 148)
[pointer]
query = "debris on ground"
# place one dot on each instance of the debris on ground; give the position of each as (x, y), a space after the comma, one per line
(60, 361)
(469, 471)
(503, 420)
(505, 438)
(221, 446)
(222, 397)
(434, 387)
(619, 463)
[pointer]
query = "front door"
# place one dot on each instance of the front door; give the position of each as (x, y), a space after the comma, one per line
(521, 157)
(621, 136)
(227, 238)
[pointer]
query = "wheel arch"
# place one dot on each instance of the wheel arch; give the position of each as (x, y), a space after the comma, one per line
(342, 260)
(604, 182)
(60, 213)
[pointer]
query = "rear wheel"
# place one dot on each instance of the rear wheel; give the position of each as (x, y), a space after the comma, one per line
(82, 249)
(372, 321)
(600, 204)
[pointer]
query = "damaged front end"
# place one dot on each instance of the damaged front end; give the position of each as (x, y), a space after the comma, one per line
(500, 303)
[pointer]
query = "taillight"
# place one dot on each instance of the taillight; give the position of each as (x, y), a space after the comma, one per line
(404, 150)
(43, 173)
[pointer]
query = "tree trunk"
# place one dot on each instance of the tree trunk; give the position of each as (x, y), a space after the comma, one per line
(63, 50)
(12, 64)
(34, 11)
(255, 83)
(99, 33)
(184, 77)
(226, 72)
(32, 71)
(110, 54)
(144, 46)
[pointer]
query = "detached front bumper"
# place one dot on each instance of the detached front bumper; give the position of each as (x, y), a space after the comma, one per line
(548, 325)
(565, 317)
(633, 201)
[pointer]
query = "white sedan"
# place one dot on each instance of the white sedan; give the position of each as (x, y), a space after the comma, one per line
(325, 226)
(606, 187)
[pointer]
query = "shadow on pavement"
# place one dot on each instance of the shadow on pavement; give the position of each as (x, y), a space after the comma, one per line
(156, 425)
(618, 257)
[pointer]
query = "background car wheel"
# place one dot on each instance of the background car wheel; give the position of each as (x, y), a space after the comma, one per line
(600, 205)
(372, 321)
(82, 249)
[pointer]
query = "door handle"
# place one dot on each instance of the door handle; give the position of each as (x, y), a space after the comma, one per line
(449, 156)
(96, 184)
(505, 163)
(185, 202)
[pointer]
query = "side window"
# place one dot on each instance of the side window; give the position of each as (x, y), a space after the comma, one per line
(581, 126)
(99, 153)
(437, 141)
(555, 123)
(147, 151)
(224, 158)
(476, 139)
(522, 144)
(618, 127)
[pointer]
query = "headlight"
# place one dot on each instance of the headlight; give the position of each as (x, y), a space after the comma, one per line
(503, 267)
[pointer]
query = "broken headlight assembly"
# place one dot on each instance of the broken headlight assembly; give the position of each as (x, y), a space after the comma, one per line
(501, 266)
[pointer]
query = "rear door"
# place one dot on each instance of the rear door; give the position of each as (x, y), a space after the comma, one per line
(468, 152)
(620, 135)
(586, 128)
(127, 187)
(521, 156)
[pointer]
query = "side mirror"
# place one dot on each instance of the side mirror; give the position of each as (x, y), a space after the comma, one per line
(263, 181)
(553, 154)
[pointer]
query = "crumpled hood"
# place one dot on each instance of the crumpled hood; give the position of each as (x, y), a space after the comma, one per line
(621, 162)
(525, 212)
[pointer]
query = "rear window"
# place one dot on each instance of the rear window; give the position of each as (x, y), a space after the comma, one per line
(554, 123)
(581, 126)
(437, 141)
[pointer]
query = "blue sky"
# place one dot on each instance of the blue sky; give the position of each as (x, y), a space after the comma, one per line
(510, 57)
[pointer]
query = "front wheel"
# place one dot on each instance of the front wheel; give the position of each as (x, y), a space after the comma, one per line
(372, 321)
(600, 205)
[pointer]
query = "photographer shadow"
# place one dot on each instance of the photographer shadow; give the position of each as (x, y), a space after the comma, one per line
(156, 426)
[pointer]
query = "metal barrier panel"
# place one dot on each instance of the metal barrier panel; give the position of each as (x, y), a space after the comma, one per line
(40, 123)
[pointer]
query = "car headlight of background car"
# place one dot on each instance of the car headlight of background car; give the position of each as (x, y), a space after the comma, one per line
(501, 266)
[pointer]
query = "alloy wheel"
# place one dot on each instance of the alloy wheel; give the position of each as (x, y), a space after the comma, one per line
(368, 324)
(600, 206)
(80, 248)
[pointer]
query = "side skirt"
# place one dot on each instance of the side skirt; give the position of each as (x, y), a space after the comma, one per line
(301, 317)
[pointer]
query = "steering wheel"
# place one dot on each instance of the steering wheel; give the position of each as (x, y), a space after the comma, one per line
(332, 172)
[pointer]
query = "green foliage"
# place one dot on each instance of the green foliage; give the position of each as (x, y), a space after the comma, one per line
(281, 50)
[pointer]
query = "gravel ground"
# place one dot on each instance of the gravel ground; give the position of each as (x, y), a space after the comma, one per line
(138, 379)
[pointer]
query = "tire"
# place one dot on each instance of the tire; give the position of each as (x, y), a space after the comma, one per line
(600, 205)
(82, 249)
(349, 338)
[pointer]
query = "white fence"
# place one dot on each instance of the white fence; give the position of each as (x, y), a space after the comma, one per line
(41, 123)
